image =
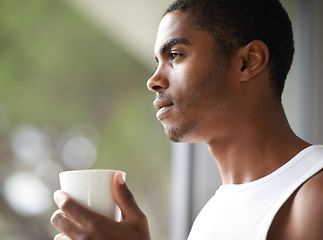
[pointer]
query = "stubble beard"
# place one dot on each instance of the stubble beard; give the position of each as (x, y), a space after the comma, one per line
(202, 96)
(177, 134)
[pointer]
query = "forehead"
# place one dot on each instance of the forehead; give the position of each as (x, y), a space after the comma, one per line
(178, 25)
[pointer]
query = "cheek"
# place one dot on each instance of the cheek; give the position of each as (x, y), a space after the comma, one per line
(179, 76)
(198, 86)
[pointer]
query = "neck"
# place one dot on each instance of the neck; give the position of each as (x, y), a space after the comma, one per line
(256, 148)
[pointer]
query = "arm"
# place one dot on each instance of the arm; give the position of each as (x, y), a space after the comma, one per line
(77, 222)
(306, 214)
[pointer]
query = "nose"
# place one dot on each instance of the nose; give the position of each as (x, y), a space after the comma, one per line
(157, 82)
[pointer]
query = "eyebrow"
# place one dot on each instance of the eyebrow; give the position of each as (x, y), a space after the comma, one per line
(171, 42)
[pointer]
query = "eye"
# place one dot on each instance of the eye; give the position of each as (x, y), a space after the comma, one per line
(174, 55)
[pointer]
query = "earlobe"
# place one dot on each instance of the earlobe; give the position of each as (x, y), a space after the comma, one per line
(253, 59)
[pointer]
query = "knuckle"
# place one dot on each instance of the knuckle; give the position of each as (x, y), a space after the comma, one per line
(142, 220)
(93, 225)
(57, 215)
(66, 203)
(129, 196)
(84, 236)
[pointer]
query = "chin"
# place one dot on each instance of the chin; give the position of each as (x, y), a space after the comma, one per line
(181, 138)
(173, 135)
(176, 139)
(181, 133)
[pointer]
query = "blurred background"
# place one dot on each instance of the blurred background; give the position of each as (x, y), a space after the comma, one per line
(73, 95)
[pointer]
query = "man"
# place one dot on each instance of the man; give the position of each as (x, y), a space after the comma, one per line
(221, 71)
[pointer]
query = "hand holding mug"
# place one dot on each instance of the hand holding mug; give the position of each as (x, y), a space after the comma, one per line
(77, 221)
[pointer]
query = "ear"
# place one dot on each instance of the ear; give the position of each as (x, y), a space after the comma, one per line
(253, 59)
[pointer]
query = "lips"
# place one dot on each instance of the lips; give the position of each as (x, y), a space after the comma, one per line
(159, 103)
(162, 106)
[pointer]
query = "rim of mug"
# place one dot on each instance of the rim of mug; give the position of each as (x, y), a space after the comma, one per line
(92, 170)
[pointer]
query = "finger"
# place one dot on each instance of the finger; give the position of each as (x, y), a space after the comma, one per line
(64, 224)
(69, 206)
(75, 210)
(84, 218)
(61, 236)
(125, 199)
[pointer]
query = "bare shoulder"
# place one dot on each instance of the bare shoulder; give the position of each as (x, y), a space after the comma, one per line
(301, 216)
(306, 212)
(310, 192)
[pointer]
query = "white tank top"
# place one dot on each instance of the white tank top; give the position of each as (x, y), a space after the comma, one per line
(246, 211)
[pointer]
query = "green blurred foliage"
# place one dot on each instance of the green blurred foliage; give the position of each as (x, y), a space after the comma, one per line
(58, 71)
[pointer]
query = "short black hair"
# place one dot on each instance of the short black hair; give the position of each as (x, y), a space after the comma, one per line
(235, 23)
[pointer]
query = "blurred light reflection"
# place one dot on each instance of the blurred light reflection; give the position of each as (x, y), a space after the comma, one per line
(79, 152)
(26, 194)
(29, 144)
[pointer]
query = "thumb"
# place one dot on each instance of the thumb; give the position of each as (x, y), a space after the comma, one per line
(125, 200)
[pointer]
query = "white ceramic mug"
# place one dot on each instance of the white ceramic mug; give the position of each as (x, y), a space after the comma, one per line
(93, 189)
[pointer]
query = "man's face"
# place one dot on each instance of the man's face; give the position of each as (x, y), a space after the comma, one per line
(192, 87)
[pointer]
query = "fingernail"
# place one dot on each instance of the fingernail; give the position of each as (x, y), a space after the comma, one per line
(55, 194)
(120, 178)
(57, 197)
